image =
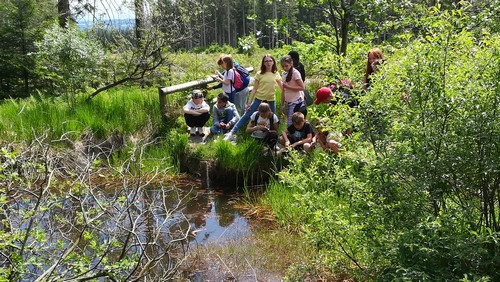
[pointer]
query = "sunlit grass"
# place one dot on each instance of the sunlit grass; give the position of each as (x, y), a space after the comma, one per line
(123, 110)
(246, 155)
(265, 256)
(283, 202)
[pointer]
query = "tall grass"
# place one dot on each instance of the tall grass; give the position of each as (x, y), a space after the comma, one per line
(245, 156)
(282, 200)
(125, 110)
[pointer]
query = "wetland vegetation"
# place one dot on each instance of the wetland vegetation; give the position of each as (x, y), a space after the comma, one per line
(97, 185)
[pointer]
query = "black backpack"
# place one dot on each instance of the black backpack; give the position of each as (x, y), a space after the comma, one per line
(271, 120)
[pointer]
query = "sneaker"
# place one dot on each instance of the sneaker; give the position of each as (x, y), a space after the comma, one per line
(201, 132)
(229, 136)
(192, 131)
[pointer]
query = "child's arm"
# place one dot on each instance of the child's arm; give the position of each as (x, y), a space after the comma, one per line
(250, 127)
(228, 77)
(315, 139)
(218, 85)
(308, 139)
(286, 142)
(276, 124)
(280, 83)
(216, 116)
(236, 116)
(187, 109)
(204, 109)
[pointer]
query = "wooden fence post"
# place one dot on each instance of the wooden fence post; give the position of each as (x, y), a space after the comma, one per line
(163, 103)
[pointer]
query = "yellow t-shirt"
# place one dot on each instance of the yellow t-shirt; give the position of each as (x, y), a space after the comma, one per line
(267, 85)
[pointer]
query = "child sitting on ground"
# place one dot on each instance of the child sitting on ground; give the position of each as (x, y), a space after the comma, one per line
(225, 115)
(196, 113)
(298, 135)
(328, 141)
(264, 125)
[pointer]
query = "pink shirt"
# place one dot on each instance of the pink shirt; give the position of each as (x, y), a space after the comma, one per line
(292, 95)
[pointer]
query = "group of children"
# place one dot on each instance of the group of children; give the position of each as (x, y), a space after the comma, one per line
(263, 124)
(234, 109)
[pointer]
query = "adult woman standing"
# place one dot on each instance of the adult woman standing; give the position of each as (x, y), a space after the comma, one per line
(374, 59)
(292, 95)
(264, 89)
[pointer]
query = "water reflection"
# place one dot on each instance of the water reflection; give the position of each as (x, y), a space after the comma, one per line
(214, 219)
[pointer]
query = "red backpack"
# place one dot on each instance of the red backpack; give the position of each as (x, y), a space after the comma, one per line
(237, 81)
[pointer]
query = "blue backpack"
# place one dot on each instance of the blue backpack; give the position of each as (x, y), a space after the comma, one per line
(244, 74)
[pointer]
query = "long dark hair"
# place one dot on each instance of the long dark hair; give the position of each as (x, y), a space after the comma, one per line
(288, 59)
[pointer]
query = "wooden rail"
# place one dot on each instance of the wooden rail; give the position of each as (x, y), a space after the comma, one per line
(164, 91)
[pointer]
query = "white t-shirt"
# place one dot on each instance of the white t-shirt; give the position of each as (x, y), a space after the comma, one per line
(228, 74)
(192, 106)
(262, 121)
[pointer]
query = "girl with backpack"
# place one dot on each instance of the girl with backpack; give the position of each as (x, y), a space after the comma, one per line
(239, 83)
(228, 77)
(292, 94)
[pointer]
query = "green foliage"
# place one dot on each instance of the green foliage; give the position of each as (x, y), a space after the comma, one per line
(68, 60)
(21, 24)
(247, 44)
(217, 48)
(126, 110)
(414, 196)
(246, 156)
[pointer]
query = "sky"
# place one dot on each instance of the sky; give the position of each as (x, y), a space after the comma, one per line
(108, 9)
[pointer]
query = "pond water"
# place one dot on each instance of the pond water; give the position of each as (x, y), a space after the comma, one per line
(214, 219)
(160, 217)
(223, 245)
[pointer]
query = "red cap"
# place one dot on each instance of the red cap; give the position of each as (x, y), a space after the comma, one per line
(322, 94)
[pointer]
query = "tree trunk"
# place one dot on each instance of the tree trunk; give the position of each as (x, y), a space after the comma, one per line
(228, 23)
(139, 20)
(64, 12)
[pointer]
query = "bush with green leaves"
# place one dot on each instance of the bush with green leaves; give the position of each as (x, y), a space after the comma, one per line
(68, 60)
(248, 44)
(415, 194)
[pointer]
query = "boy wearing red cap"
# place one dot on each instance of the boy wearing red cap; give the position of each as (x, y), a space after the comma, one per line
(323, 95)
